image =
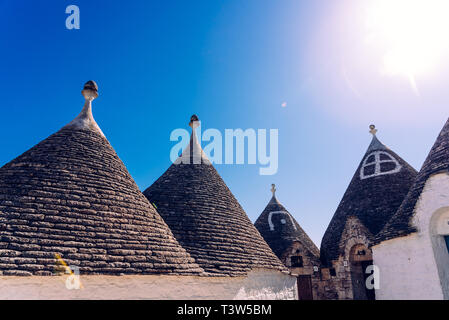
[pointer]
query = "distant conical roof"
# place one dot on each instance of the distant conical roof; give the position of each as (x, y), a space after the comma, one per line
(375, 192)
(206, 218)
(279, 229)
(436, 161)
(71, 195)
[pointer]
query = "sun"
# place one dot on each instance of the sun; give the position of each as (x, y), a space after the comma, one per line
(412, 35)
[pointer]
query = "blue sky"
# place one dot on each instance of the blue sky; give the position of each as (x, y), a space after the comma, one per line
(233, 63)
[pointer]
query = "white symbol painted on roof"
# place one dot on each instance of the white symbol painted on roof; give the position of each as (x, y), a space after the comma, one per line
(283, 221)
(379, 163)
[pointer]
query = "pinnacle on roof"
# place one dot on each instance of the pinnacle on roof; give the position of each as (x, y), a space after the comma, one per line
(279, 229)
(375, 143)
(85, 120)
(71, 196)
(207, 219)
(193, 153)
(375, 192)
(273, 190)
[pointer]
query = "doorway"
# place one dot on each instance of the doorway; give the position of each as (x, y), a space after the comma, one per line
(361, 258)
(305, 287)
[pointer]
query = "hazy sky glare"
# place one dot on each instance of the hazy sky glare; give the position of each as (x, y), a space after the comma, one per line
(306, 68)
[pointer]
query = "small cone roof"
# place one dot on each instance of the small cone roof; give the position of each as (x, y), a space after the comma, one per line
(207, 219)
(280, 229)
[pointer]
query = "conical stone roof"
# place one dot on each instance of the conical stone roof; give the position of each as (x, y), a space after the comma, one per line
(71, 195)
(206, 218)
(374, 194)
(437, 161)
(280, 229)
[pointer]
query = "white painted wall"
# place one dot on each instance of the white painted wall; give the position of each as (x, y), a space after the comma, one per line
(415, 266)
(407, 270)
(259, 284)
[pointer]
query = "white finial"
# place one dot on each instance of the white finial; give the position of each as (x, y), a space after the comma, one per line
(194, 122)
(193, 153)
(273, 189)
(90, 90)
(85, 120)
(373, 129)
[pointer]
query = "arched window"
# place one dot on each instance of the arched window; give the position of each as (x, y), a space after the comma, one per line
(379, 163)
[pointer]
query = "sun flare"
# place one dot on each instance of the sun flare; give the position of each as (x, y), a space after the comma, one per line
(413, 35)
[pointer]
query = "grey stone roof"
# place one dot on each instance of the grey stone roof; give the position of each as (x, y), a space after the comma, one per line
(436, 161)
(71, 195)
(207, 219)
(280, 229)
(375, 192)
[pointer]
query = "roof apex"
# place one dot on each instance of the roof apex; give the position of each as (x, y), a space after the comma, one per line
(85, 120)
(273, 190)
(193, 153)
(274, 200)
(375, 143)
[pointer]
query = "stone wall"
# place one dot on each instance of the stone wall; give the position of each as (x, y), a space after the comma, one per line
(326, 287)
(258, 285)
(354, 234)
(319, 289)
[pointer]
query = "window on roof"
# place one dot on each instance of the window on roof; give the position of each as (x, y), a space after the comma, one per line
(446, 238)
(379, 163)
(296, 262)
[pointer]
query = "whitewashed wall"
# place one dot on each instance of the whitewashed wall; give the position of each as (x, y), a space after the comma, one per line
(260, 285)
(415, 266)
(407, 270)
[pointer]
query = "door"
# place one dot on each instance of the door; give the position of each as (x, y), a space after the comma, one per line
(305, 288)
(358, 277)
(370, 293)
